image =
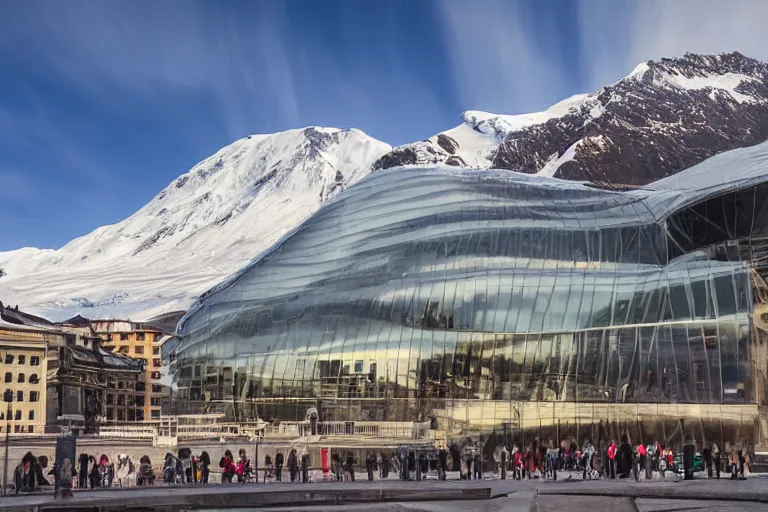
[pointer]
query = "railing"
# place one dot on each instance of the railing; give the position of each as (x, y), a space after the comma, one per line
(384, 429)
(188, 432)
(128, 432)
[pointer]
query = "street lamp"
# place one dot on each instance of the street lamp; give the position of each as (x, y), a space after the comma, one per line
(7, 398)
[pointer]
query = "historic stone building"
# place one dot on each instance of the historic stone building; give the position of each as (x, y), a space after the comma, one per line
(58, 375)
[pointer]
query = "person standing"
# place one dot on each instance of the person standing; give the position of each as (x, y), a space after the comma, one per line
(205, 467)
(641, 457)
(741, 460)
(716, 459)
(370, 462)
(304, 466)
(589, 453)
(442, 463)
(293, 465)
(517, 460)
(466, 454)
(385, 463)
(351, 466)
(623, 460)
(706, 458)
(477, 463)
(504, 458)
(94, 475)
(82, 477)
(336, 464)
(279, 459)
(402, 455)
(649, 462)
(612, 460)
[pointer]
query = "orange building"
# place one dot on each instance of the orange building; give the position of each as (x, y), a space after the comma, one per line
(140, 341)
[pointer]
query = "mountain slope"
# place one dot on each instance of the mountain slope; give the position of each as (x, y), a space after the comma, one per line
(199, 229)
(663, 117)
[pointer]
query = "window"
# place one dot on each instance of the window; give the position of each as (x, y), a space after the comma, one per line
(120, 399)
(157, 363)
(155, 415)
(359, 366)
(34, 361)
(155, 375)
(138, 350)
(157, 388)
(19, 396)
(109, 337)
(140, 400)
(33, 379)
(155, 351)
(121, 385)
(110, 399)
(17, 416)
(31, 415)
(140, 415)
(22, 377)
(123, 349)
(34, 396)
(154, 401)
(140, 386)
(121, 415)
(156, 336)
(22, 359)
(8, 377)
(8, 359)
(17, 428)
(31, 429)
(140, 336)
(2, 417)
(123, 336)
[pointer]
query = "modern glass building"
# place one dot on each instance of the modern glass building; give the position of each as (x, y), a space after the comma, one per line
(491, 300)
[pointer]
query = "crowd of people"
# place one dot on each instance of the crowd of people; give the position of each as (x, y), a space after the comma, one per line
(535, 460)
(539, 460)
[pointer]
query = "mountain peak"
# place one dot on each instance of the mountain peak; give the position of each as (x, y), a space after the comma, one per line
(202, 226)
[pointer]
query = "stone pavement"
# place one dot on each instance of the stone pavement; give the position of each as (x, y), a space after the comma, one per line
(428, 496)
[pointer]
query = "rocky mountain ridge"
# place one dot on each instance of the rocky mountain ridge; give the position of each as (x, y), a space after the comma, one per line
(662, 118)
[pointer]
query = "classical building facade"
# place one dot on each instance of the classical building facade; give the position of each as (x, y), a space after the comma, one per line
(141, 341)
(23, 353)
(58, 375)
(493, 301)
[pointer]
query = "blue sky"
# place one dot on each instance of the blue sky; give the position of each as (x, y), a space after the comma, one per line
(103, 103)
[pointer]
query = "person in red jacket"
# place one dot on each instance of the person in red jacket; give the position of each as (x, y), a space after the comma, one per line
(612, 460)
(518, 467)
(641, 453)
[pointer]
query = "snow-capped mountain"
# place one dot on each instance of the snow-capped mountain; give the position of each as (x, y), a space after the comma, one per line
(662, 118)
(202, 227)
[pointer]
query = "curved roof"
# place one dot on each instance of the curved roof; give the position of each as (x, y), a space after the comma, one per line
(363, 237)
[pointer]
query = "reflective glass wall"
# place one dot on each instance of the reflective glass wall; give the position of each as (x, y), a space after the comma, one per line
(420, 291)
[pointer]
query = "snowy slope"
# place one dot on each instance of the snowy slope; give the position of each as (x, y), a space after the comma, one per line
(202, 227)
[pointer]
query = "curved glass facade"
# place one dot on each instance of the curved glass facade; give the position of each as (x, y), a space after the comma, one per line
(485, 299)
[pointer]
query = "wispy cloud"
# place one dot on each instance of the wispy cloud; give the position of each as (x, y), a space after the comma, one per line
(500, 58)
(615, 35)
(116, 51)
(503, 60)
